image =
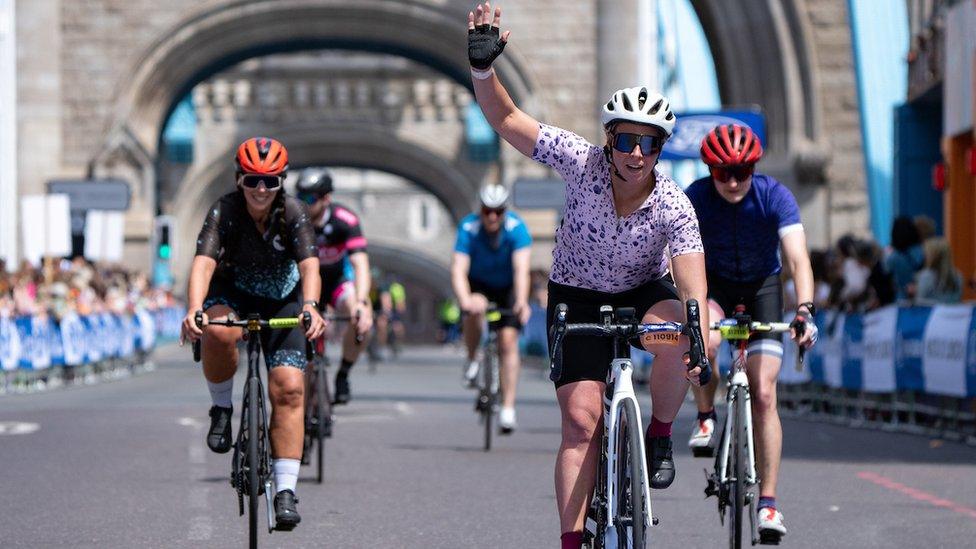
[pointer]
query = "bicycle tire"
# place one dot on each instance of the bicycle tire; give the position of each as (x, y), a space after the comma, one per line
(738, 456)
(253, 460)
(323, 412)
(488, 410)
(629, 482)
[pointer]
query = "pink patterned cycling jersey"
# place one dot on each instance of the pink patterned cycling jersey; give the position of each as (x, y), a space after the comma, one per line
(596, 249)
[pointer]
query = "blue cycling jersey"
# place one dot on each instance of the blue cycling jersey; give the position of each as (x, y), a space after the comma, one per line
(742, 240)
(491, 255)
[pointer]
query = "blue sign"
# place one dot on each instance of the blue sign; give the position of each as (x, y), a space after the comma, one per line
(692, 127)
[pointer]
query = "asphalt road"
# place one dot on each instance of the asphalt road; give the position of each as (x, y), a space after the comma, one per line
(124, 464)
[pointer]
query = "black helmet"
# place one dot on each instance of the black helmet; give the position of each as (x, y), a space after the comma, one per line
(314, 181)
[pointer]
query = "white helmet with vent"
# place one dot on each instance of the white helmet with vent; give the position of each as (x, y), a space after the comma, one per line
(493, 196)
(639, 105)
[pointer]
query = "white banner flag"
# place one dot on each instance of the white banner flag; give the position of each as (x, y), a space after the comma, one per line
(944, 360)
(878, 364)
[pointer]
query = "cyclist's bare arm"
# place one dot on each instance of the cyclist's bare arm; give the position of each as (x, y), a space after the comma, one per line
(521, 282)
(362, 282)
(460, 264)
(689, 277)
(514, 126)
(308, 268)
(201, 271)
(794, 246)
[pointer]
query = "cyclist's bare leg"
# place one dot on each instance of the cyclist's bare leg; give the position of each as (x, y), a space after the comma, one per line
(286, 389)
(705, 395)
(218, 350)
(510, 364)
(581, 407)
(472, 327)
(763, 370)
(668, 382)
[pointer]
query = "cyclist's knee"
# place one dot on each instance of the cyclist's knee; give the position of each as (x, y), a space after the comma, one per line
(289, 393)
(221, 337)
(579, 426)
(764, 395)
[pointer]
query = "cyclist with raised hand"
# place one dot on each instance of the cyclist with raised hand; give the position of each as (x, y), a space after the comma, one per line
(746, 218)
(256, 254)
(624, 221)
(338, 237)
(491, 265)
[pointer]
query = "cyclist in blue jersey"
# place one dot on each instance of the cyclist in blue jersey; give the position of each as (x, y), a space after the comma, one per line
(491, 265)
(746, 218)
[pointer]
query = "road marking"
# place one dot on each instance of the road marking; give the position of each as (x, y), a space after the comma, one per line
(404, 409)
(917, 495)
(18, 428)
(189, 422)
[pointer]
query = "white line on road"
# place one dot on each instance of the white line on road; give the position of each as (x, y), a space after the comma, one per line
(18, 427)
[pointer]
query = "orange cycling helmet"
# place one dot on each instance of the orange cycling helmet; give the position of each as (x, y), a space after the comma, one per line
(731, 145)
(262, 156)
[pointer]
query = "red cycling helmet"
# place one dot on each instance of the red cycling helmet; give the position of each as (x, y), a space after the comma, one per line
(731, 145)
(262, 156)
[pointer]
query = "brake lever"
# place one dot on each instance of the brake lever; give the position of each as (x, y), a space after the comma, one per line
(559, 331)
(307, 323)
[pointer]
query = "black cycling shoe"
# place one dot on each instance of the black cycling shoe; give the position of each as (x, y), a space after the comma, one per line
(341, 389)
(660, 463)
(218, 439)
(286, 515)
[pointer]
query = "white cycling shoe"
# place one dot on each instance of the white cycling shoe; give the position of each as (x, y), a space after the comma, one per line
(771, 529)
(701, 438)
(506, 420)
(470, 378)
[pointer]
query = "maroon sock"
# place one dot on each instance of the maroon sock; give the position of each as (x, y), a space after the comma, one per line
(572, 540)
(658, 428)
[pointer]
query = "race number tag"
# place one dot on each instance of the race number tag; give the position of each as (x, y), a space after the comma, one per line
(661, 338)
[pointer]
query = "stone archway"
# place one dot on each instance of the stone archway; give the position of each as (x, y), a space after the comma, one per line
(214, 39)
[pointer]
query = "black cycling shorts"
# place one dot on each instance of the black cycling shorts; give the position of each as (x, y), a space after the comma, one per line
(763, 300)
(588, 357)
(280, 347)
(503, 298)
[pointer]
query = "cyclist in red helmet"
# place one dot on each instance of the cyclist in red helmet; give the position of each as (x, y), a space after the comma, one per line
(745, 219)
(256, 253)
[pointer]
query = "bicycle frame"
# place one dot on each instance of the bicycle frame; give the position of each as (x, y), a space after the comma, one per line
(738, 378)
(621, 386)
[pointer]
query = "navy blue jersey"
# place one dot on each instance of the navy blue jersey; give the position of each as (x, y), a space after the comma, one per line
(742, 240)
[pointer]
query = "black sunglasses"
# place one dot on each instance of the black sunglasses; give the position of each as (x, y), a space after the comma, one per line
(310, 198)
(649, 144)
(271, 182)
(497, 211)
(722, 174)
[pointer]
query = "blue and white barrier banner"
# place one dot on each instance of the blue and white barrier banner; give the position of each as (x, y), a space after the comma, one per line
(36, 343)
(925, 349)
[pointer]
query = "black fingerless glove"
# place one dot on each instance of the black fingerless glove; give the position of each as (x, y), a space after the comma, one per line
(484, 46)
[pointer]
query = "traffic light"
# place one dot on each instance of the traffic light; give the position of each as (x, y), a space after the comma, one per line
(163, 249)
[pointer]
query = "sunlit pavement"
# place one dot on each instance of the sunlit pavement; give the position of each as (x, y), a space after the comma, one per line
(124, 464)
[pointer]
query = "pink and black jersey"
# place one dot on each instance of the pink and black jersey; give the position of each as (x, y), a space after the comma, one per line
(338, 234)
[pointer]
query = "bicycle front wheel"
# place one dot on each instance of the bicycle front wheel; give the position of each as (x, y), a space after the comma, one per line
(631, 511)
(488, 408)
(323, 417)
(738, 455)
(253, 459)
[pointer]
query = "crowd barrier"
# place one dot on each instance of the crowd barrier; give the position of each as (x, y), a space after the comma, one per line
(37, 351)
(908, 369)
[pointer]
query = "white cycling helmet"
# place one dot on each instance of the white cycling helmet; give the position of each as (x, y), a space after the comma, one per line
(493, 196)
(639, 105)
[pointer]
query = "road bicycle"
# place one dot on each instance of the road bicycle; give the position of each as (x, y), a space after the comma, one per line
(251, 472)
(733, 481)
(318, 403)
(620, 508)
(486, 403)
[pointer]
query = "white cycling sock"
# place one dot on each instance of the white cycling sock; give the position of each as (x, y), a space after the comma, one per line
(221, 393)
(286, 473)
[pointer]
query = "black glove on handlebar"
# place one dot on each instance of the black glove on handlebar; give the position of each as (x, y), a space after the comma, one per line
(484, 46)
